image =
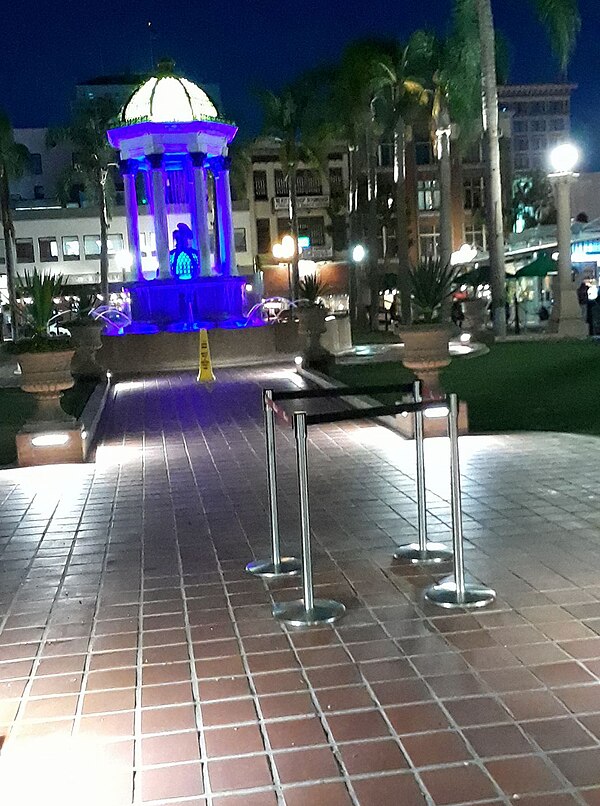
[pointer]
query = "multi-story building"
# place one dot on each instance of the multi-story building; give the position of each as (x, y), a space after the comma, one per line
(541, 120)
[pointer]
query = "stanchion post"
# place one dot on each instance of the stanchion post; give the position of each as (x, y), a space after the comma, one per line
(421, 553)
(456, 593)
(309, 611)
(277, 566)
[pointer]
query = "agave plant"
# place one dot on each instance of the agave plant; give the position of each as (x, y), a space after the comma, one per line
(311, 288)
(41, 288)
(431, 284)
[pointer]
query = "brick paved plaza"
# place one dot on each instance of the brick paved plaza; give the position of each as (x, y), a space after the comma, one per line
(140, 664)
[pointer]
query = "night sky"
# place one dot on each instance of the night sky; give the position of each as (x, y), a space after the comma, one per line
(243, 44)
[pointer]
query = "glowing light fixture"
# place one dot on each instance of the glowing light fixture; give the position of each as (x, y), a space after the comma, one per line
(436, 413)
(564, 158)
(48, 440)
(169, 99)
(298, 360)
(359, 253)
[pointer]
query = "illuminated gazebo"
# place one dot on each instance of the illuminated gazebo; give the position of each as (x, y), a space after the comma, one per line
(171, 133)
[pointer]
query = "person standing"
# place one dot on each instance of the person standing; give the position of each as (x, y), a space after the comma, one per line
(582, 298)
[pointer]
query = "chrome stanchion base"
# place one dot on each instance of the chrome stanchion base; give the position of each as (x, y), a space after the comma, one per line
(433, 554)
(445, 595)
(294, 614)
(286, 567)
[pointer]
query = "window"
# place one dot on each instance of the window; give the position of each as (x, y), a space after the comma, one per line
(385, 155)
(429, 241)
(521, 143)
(260, 185)
(240, 240)
(428, 194)
(147, 244)
(336, 182)
(48, 250)
(475, 236)
(35, 164)
(538, 141)
(308, 183)
(558, 107)
(423, 153)
(313, 228)
(2, 253)
(283, 228)
(473, 193)
(538, 125)
(521, 162)
(115, 243)
(281, 185)
(263, 235)
(91, 246)
(70, 247)
(24, 249)
(557, 125)
(519, 126)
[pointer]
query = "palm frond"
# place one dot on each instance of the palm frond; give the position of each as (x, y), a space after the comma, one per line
(563, 23)
(431, 284)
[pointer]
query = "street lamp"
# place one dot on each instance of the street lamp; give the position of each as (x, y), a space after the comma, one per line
(284, 252)
(358, 253)
(566, 314)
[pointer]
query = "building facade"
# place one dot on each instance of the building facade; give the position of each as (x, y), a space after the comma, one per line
(541, 120)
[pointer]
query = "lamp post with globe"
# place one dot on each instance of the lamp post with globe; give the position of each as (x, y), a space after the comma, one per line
(566, 314)
(284, 252)
(358, 254)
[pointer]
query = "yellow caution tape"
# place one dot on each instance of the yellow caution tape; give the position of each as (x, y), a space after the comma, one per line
(205, 371)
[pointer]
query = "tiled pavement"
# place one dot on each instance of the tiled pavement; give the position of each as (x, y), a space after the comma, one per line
(139, 664)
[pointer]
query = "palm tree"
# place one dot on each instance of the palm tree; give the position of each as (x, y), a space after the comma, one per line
(401, 87)
(14, 159)
(562, 21)
(353, 114)
(294, 119)
(94, 161)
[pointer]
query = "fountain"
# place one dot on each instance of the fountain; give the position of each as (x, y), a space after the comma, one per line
(171, 138)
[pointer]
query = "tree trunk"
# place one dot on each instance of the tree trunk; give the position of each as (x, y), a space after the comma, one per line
(443, 153)
(493, 180)
(293, 214)
(353, 268)
(9, 249)
(412, 200)
(103, 240)
(372, 228)
(402, 249)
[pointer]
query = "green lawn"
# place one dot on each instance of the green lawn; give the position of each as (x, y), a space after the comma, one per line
(520, 386)
(16, 406)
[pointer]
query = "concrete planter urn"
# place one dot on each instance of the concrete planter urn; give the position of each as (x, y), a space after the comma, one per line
(426, 352)
(86, 338)
(312, 326)
(45, 375)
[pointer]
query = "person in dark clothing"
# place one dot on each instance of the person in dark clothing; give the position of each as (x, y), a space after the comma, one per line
(457, 314)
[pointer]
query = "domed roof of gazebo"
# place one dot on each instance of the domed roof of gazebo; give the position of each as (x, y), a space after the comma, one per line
(168, 98)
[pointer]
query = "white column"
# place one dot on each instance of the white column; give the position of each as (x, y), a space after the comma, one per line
(128, 170)
(159, 214)
(199, 208)
(224, 215)
(443, 155)
(566, 313)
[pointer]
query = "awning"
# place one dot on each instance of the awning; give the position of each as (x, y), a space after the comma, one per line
(540, 267)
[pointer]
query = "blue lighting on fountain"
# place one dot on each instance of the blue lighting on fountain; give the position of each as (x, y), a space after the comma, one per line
(170, 134)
